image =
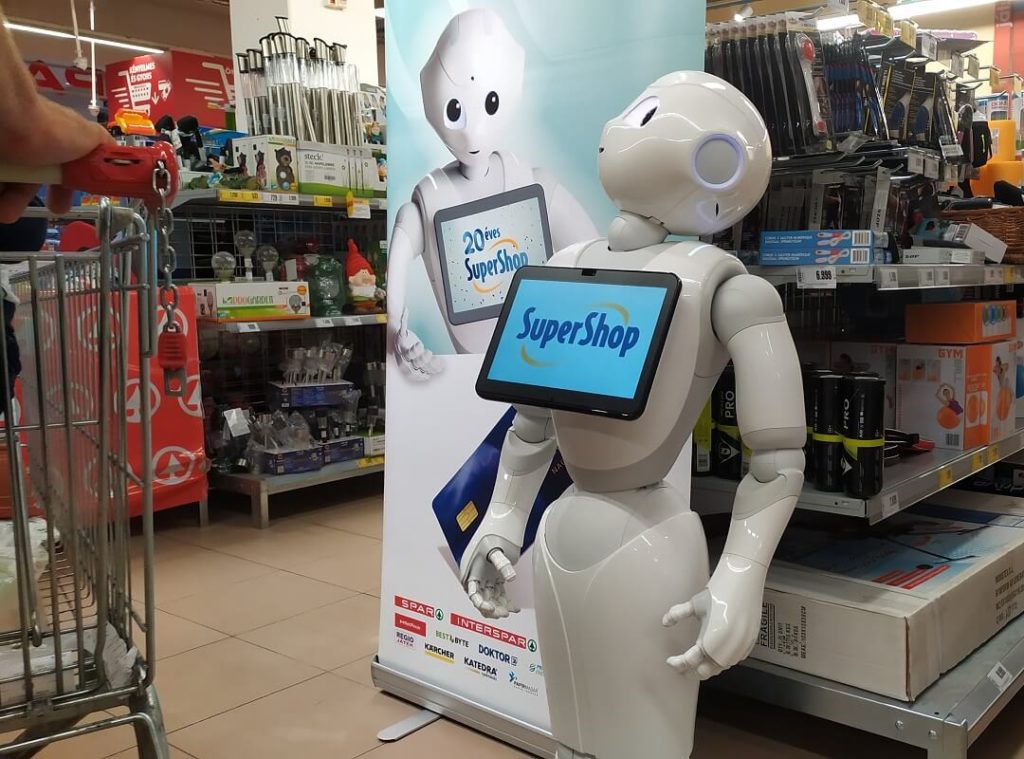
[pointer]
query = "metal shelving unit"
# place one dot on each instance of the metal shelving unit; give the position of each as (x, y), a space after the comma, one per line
(259, 487)
(259, 197)
(286, 325)
(906, 483)
(899, 276)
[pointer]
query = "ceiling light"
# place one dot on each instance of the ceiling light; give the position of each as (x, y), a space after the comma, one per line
(915, 8)
(835, 23)
(68, 36)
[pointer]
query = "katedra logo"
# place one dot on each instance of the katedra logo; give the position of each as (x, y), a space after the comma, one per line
(489, 255)
(593, 332)
(481, 667)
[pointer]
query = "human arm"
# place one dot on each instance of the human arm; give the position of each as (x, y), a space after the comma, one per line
(568, 220)
(489, 559)
(748, 319)
(405, 247)
(36, 132)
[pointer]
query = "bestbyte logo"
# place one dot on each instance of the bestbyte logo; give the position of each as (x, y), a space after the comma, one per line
(500, 656)
(453, 640)
(415, 626)
(599, 329)
(518, 684)
(481, 628)
(404, 639)
(441, 654)
(482, 668)
(418, 607)
(489, 255)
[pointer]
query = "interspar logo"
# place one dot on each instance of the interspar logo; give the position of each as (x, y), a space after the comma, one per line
(441, 654)
(594, 331)
(480, 628)
(417, 607)
(482, 668)
(416, 626)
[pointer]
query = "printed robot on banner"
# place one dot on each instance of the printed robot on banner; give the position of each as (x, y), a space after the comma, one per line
(472, 86)
(628, 619)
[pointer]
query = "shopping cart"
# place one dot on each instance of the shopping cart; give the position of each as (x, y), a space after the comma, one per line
(73, 614)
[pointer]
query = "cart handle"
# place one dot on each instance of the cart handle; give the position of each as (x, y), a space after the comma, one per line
(112, 170)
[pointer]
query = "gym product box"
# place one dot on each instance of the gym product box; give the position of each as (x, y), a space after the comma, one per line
(282, 395)
(272, 159)
(866, 609)
(960, 396)
(344, 449)
(252, 301)
(879, 358)
(964, 322)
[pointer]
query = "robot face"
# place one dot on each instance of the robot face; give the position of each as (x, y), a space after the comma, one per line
(691, 152)
(472, 85)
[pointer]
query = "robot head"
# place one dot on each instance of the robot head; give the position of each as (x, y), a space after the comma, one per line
(691, 152)
(472, 85)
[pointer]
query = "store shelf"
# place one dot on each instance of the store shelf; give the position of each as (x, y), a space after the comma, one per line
(259, 487)
(944, 720)
(950, 45)
(906, 483)
(255, 197)
(287, 325)
(901, 276)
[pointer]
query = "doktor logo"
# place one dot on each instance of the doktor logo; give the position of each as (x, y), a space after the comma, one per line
(606, 327)
(490, 258)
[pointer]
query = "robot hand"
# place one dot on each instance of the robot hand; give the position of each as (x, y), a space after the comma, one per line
(484, 577)
(409, 350)
(729, 610)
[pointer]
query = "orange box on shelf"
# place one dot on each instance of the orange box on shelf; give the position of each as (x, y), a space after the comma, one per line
(965, 322)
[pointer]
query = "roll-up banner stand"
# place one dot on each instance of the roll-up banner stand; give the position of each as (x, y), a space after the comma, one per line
(519, 90)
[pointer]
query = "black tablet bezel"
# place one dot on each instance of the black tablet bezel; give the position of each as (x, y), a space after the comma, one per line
(529, 192)
(570, 400)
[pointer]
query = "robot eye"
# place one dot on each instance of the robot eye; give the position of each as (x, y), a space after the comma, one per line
(642, 112)
(491, 103)
(454, 115)
(718, 161)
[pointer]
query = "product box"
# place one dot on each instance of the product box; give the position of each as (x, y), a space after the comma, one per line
(820, 257)
(283, 395)
(252, 301)
(823, 239)
(879, 358)
(345, 449)
(292, 462)
(973, 236)
(323, 169)
(867, 609)
(374, 445)
(269, 158)
(928, 255)
(963, 322)
(959, 396)
(1020, 359)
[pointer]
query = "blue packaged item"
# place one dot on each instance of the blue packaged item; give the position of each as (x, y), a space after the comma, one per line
(820, 257)
(461, 504)
(821, 239)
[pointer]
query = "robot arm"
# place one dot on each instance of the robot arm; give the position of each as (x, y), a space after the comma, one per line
(487, 563)
(569, 222)
(748, 318)
(406, 246)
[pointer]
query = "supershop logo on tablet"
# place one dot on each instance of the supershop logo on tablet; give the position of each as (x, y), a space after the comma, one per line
(593, 331)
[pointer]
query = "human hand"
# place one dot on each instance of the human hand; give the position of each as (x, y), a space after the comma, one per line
(45, 134)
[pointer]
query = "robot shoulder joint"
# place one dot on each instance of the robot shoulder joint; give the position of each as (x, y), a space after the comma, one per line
(744, 301)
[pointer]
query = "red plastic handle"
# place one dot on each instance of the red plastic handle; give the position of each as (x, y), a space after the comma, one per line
(116, 170)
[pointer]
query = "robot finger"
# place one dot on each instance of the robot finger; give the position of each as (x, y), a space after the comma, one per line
(501, 562)
(678, 613)
(688, 661)
(708, 669)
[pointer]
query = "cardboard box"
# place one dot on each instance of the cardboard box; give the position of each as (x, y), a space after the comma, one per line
(963, 322)
(929, 255)
(252, 301)
(292, 462)
(345, 449)
(820, 257)
(886, 611)
(374, 445)
(973, 236)
(819, 240)
(282, 395)
(879, 358)
(960, 396)
(272, 159)
(323, 169)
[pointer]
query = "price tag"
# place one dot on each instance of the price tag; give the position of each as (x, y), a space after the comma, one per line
(977, 462)
(367, 462)
(1000, 676)
(359, 208)
(945, 477)
(1008, 275)
(992, 454)
(382, 318)
(942, 275)
(324, 321)
(248, 327)
(890, 504)
(1016, 84)
(993, 275)
(888, 278)
(993, 77)
(928, 45)
(816, 278)
(926, 277)
(271, 197)
(956, 64)
(953, 150)
(323, 201)
(239, 196)
(915, 161)
(931, 166)
(973, 66)
(288, 199)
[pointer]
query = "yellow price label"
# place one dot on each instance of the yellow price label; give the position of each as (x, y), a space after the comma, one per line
(1008, 275)
(368, 461)
(323, 201)
(977, 462)
(993, 454)
(239, 196)
(945, 477)
(382, 318)
(993, 77)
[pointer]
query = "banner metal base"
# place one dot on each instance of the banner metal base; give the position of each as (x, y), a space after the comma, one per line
(455, 707)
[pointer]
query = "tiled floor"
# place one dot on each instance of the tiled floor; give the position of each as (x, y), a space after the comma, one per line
(265, 638)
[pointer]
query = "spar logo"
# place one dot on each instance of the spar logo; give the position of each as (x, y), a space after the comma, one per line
(605, 327)
(480, 628)
(418, 607)
(481, 668)
(489, 255)
(497, 655)
(415, 626)
(441, 654)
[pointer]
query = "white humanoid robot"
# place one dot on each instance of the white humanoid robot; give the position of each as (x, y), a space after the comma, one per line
(472, 85)
(628, 619)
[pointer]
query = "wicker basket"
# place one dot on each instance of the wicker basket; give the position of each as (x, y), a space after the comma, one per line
(1005, 223)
